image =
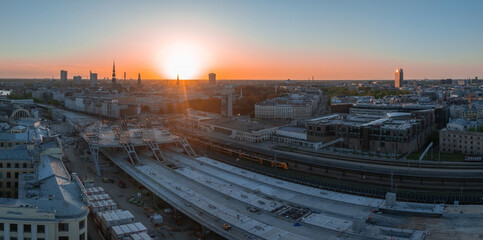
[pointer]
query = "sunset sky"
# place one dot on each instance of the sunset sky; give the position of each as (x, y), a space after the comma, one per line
(242, 39)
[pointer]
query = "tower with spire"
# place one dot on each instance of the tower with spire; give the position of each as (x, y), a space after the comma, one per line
(177, 80)
(114, 73)
(139, 78)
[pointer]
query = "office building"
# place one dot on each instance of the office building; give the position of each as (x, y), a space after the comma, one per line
(93, 79)
(227, 101)
(461, 135)
(63, 76)
(77, 80)
(212, 79)
(299, 104)
(13, 162)
(399, 79)
(390, 133)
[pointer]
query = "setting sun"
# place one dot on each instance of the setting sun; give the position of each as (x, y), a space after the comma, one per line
(182, 59)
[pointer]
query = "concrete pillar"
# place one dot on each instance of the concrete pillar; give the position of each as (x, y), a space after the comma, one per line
(34, 231)
(390, 199)
(6, 230)
(20, 231)
(47, 232)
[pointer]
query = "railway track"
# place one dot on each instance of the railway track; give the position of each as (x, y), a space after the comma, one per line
(430, 187)
(399, 163)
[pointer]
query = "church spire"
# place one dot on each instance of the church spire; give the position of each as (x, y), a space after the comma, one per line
(114, 72)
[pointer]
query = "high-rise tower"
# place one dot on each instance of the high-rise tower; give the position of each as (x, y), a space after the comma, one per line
(63, 77)
(139, 78)
(92, 79)
(398, 80)
(114, 73)
(177, 80)
(212, 79)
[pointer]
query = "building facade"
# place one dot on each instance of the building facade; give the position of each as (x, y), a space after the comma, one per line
(93, 79)
(465, 142)
(391, 134)
(212, 79)
(50, 202)
(63, 76)
(77, 80)
(299, 105)
(399, 78)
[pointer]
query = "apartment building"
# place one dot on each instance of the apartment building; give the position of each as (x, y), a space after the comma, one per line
(395, 133)
(49, 203)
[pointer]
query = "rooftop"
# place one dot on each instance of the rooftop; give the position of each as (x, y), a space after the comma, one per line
(51, 190)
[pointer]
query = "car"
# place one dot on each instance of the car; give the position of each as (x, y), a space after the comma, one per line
(108, 180)
(226, 226)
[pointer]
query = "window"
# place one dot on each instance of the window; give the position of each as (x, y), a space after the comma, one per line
(1, 226)
(82, 236)
(8, 184)
(63, 238)
(63, 227)
(40, 229)
(16, 165)
(9, 165)
(27, 228)
(9, 174)
(13, 227)
(82, 224)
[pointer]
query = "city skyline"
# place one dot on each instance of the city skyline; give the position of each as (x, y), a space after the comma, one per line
(243, 40)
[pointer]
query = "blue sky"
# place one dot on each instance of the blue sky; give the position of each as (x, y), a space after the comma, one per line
(296, 39)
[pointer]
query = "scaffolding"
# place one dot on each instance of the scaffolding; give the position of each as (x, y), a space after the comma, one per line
(93, 142)
(125, 140)
(149, 138)
(186, 146)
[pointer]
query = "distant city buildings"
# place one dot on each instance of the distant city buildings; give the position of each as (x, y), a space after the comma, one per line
(77, 80)
(139, 79)
(111, 107)
(299, 104)
(227, 101)
(63, 76)
(212, 79)
(92, 79)
(399, 78)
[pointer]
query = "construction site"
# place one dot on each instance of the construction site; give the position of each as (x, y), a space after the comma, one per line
(237, 203)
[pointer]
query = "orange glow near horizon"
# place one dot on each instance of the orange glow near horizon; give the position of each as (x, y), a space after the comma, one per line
(182, 59)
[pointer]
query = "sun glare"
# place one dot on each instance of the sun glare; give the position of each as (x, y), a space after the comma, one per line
(182, 59)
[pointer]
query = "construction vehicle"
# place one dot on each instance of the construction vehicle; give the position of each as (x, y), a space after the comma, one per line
(108, 180)
(226, 226)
